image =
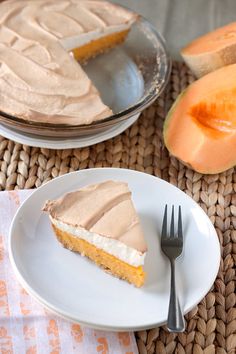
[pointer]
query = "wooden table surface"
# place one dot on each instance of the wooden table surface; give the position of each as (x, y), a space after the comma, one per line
(180, 21)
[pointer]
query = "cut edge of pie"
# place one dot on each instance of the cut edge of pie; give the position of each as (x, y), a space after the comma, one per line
(99, 46)
(110, 263)
(100, 222)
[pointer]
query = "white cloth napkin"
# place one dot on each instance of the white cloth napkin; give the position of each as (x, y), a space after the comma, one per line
(26, 327)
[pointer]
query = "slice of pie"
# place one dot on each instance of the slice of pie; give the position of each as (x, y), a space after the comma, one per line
(40, 81)
(100, 222)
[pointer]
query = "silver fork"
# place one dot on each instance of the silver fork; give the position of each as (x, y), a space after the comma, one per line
(172, 246)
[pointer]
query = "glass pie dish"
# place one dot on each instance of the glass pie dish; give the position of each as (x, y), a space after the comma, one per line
(129, 78)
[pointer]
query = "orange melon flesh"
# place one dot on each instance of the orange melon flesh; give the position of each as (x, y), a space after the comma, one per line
(212, 50)
(200, 128)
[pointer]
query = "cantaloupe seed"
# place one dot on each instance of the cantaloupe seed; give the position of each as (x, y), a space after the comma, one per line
(226, 36)
(219, 113)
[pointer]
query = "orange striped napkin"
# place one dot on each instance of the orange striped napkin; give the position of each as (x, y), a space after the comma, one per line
(26, 327)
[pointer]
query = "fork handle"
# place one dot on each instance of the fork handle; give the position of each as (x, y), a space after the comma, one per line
(175, 321)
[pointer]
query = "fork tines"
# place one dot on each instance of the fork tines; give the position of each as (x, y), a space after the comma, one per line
(164, 232)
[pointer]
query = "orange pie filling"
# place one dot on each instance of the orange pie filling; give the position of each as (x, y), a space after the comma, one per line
(134, 275)
(100, 45)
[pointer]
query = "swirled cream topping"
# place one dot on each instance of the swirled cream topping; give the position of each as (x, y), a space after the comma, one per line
(39, 79)
(102, 214)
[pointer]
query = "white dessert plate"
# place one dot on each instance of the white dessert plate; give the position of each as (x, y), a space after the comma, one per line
(66, 143)
(76, 289)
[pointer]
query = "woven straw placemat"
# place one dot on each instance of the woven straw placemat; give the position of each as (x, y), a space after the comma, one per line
(211, 326)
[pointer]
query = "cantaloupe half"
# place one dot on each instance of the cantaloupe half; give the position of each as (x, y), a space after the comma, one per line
(211, 51)
(200, 128)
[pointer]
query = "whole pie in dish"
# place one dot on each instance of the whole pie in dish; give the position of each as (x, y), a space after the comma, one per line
(99, 221)
(40, 79)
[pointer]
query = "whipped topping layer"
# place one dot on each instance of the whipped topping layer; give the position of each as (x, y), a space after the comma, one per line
(39, 79)
(104, 209)
(114, 247)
